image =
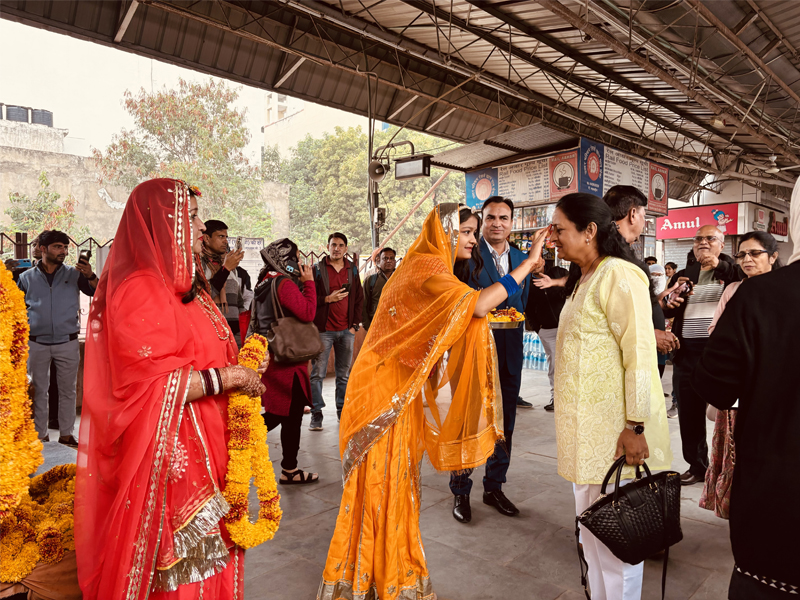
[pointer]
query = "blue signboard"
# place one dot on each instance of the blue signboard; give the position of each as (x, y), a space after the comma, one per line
(590, 167)
(480, 186)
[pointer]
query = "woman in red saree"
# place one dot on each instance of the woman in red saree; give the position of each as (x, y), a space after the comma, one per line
(153, 455)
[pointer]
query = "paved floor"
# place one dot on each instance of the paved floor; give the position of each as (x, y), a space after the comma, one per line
(529, 557)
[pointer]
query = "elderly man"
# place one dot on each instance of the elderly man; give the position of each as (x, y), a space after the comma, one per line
(708, 278)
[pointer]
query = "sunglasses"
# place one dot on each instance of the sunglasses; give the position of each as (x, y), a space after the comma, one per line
(754, 254)
(707, 238)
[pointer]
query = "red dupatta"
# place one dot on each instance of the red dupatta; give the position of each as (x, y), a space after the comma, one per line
(148, 506)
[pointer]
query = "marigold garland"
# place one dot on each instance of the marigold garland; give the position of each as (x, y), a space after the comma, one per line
(20, 448)
(36, 515)
(248, 456)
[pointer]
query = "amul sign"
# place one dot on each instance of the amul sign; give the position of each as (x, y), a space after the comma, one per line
(684, 222)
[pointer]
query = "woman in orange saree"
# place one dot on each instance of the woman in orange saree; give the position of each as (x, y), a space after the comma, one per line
(153, 456)
(425, 380)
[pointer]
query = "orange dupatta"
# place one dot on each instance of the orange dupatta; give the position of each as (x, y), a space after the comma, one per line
(423, 344)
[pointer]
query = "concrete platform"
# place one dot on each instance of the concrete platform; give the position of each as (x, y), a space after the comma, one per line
(532, 556)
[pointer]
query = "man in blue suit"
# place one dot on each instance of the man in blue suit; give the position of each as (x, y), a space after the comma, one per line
(499, 258)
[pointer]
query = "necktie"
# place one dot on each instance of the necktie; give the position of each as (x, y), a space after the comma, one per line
(499, 264)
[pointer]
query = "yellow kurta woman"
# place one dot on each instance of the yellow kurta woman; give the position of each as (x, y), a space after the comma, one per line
(608, 396)
(430, 341)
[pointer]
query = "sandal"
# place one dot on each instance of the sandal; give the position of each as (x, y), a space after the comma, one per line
(292, 480)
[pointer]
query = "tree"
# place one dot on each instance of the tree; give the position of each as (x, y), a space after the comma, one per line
(328, 178)
(45, 211)
(195, 134)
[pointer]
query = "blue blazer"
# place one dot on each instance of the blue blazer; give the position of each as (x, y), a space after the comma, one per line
(489, 275)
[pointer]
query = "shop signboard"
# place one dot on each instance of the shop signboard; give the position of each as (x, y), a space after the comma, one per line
(683, 223)
(764, 218)
(592, 168)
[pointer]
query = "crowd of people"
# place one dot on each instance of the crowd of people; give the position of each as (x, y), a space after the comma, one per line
(173, 306)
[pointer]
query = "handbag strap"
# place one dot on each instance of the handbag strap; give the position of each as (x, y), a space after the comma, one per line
(582, 559)
(273, 292)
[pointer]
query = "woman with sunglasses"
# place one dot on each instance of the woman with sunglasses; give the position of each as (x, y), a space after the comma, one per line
(758, 254)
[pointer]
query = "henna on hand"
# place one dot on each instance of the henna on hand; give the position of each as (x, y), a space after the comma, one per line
(243, 379)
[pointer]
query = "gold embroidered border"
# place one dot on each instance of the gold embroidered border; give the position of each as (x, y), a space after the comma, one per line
(343, 589)
(164, 425)
(363, 439)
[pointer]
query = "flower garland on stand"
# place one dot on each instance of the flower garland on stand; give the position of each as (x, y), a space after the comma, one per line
(248, 456)
(36, 515)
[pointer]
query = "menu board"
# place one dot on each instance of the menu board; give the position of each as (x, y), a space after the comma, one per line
(592, 168)
(525, 182)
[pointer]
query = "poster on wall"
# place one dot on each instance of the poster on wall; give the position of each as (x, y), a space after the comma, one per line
(480, 186)
(659, 180)
(563, 174)
(591, 167)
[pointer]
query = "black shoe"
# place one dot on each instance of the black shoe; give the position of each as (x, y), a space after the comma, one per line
(45, 438)
(461, 508)
(68, 440)
(503, 505)
(690, 479)
(316, 423)
(522, 403)
(549, 407)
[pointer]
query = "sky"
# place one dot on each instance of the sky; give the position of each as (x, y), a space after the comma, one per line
(82, 83)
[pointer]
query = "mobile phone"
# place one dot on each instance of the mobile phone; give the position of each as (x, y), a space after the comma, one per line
(679, 291)
(346, 287)
(238, 244)
(84, 256)
(23, 263)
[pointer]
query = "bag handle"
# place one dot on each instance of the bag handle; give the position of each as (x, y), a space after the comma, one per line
(279, 309)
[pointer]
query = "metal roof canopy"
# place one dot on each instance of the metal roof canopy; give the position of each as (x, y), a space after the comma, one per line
(702, 86)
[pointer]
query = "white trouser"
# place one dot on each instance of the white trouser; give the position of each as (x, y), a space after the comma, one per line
(609, 577)
(548, 337)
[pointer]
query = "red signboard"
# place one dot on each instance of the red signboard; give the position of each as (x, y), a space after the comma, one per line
(659, 180)
(563, 174)
(684, 222)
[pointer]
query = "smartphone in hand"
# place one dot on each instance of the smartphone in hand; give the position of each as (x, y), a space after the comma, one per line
(85, 256)
(346, 287)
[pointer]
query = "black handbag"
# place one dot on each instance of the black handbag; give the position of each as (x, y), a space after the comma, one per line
(637, 520)
(290, 340)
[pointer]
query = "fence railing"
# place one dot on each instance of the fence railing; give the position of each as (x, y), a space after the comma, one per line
(22, 246)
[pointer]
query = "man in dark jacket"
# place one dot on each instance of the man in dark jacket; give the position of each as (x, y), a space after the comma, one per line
(373, 286)
(339, 307)
(542, 313)
(499, 259)
(709, 275)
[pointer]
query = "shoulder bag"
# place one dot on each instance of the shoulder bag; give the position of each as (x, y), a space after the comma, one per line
(637, 520)
(290, 340)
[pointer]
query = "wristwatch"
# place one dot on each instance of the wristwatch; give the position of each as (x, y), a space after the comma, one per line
(637, 429)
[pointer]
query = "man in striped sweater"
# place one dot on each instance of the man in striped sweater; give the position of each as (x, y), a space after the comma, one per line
(709, 276)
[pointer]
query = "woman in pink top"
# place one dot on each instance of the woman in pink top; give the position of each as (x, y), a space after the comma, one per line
(758, 254)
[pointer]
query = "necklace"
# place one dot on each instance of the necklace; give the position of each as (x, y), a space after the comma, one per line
(200, 298)
(583, 278)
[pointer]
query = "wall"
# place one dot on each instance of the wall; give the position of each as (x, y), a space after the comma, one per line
(98, 206)
(32, 137)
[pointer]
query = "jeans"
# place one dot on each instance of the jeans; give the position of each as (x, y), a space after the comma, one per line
(67, 357)
(342, 343)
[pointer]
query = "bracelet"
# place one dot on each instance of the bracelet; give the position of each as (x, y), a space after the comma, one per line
(508, 282)
(208, 384)
(218, 376)
(203, 383)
